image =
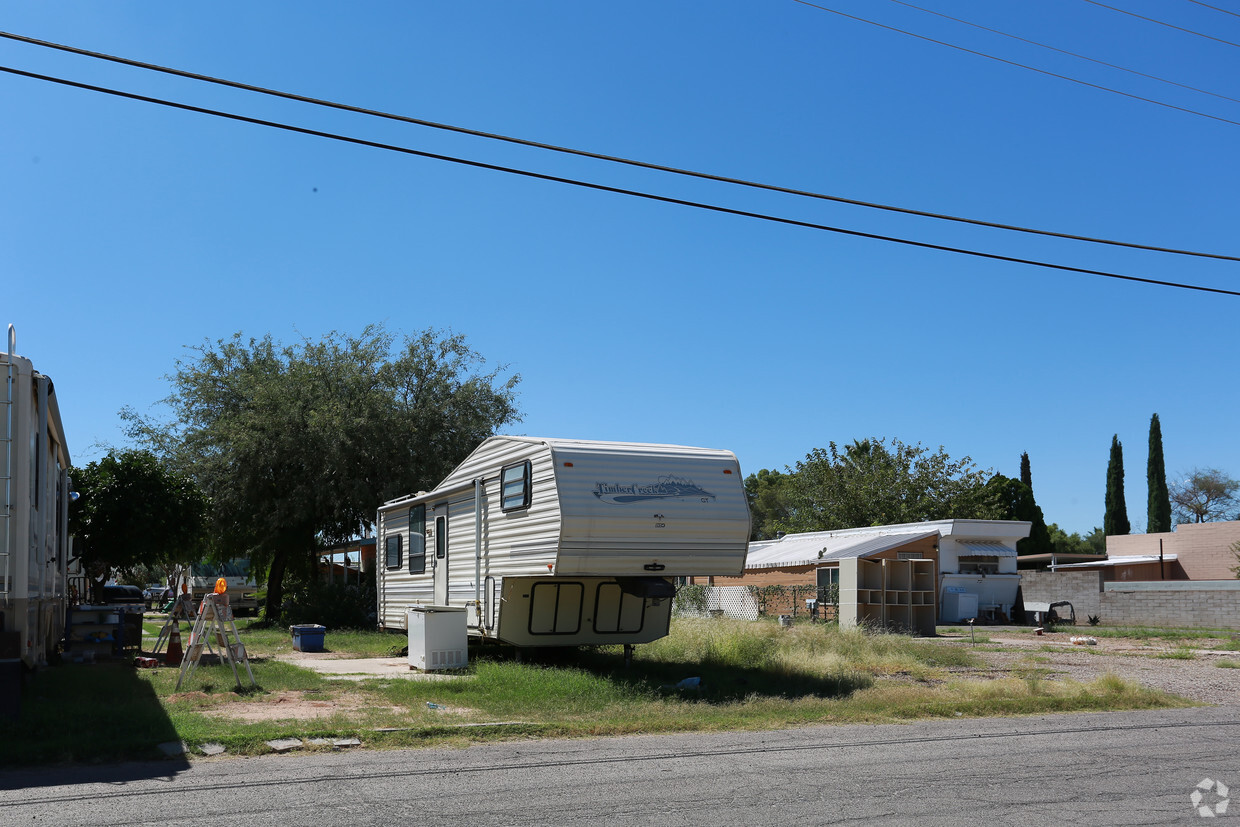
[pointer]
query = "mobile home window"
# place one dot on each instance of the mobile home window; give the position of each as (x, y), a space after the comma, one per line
(417, 539)
(392, 549)
(515, 485)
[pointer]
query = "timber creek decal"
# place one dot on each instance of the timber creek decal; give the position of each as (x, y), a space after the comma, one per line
(667, 488)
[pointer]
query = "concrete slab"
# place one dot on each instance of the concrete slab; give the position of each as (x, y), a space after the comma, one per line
(335, 667)
(284, 744)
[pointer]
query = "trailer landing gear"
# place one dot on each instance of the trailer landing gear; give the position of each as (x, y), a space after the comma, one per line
(628, 655)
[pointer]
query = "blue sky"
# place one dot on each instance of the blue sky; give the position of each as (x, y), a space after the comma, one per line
(129, 231)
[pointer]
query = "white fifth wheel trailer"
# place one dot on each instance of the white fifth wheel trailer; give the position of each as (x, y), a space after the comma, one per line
(557, 542)
(34, 514)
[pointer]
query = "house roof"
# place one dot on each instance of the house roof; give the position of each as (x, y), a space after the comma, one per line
(805, 549)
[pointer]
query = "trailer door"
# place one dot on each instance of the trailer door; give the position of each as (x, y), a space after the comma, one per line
(440, 596)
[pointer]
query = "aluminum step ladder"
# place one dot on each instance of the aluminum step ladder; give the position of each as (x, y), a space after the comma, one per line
(215, 622)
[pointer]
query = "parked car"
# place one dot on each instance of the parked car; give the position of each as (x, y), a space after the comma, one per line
(123, 594)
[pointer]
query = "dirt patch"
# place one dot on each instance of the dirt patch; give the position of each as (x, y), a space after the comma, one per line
(292, 705)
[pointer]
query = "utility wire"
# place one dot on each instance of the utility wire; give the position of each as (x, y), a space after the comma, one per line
(1216, 8)
(605, 188)
(1066, 52)
(609, 158)
(1018, 65)
(1164, 23)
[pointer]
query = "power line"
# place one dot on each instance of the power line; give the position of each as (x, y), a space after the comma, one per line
(1164, 23)
(605, 188)
(601, 157)
(1018, 65)
(1066, 52)
(1216, 8)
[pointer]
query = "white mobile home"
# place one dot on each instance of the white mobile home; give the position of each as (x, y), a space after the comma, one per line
(555, 542)
(34, 514)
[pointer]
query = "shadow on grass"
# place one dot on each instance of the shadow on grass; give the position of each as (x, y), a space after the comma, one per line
(87, 714)
(719, 682)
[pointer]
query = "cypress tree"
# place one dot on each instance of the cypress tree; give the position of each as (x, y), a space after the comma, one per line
(1115, 520)
(1039, 539)
(1158, 514)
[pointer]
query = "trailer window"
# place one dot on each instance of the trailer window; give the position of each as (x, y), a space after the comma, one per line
(392, 548)
(417, 539)
(515, 485)
(441, 537)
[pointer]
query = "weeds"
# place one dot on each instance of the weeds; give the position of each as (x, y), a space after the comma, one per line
(1181, 652)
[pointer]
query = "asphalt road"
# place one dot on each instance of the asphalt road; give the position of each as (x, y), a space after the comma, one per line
(1080, 769)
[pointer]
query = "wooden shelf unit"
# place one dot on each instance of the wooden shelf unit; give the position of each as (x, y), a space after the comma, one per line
(892, 594)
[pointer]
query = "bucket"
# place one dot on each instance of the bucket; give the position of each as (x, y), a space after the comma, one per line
(308, 637)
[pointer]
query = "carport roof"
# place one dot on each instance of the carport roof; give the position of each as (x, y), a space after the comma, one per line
(805, 549)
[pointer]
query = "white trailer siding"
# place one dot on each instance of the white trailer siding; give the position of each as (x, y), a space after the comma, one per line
(643, 509)
(514, 543)
(545, 573)
(34, 540)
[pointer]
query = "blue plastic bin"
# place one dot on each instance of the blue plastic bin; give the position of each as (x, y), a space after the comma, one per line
(308, 637)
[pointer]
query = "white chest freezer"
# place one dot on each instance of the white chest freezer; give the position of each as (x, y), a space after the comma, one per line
(438, 638)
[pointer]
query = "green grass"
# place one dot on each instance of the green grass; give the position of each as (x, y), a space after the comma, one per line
(1181, 652)
(1227, 664)
(752, 676)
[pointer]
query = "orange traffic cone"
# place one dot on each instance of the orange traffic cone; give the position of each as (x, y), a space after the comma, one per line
(174, 654)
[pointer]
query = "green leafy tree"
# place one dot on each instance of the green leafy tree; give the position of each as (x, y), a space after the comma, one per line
(1204, 495)
(297, 445)
(1158, 511)
(1026, 474)
(1063, 543)
(135, 513)
(1013, 500)
(767, 492)
(1115, 519)
(873, 482)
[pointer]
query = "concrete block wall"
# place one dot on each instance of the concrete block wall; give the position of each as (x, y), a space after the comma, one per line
(1206, 609)
(1170, 604)
(1083, 589)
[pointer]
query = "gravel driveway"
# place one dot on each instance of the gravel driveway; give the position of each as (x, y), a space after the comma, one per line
(1142, 661)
